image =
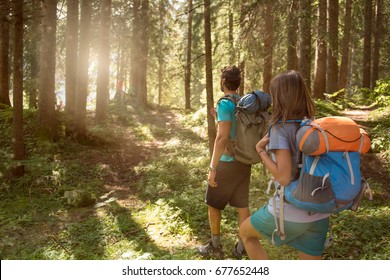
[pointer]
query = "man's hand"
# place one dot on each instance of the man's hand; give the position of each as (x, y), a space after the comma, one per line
(213, 112)
(211, 179)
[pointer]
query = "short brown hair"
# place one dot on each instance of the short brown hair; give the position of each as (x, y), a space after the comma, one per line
(232, 76)
(290, 98)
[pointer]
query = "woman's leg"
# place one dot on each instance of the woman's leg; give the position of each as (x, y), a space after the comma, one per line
(303, 256)
(243, 214)
(250, 236)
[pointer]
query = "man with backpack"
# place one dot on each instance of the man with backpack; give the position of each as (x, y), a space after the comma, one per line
(228, 179)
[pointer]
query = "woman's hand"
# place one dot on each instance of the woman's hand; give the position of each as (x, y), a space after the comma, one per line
(261, 145)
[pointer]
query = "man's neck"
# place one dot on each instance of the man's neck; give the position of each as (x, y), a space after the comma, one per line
(227, 92)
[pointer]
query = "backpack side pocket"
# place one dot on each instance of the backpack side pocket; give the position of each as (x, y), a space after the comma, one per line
(314, 189)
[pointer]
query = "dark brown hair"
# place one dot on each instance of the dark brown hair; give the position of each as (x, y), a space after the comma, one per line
(290, 98)
(232, 76)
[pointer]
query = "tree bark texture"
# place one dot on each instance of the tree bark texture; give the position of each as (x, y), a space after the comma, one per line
(232, 51)
(242, 52)
(135, 51)
(80, 128)
(268, 44)
(140, 51)
(189, 52)
(209, 76)
(319, 85)
(332, 70)
(103, 75)
(4, 53)
(292, 35)
(144, 51)
(162, 13)
(32, 48)
(46, 101)
(367, 44)
(345, 53)
(304, 64)
(18, 142)
(377, 41)
(71, 43)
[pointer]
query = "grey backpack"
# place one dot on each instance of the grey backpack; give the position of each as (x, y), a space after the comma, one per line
(252, 121)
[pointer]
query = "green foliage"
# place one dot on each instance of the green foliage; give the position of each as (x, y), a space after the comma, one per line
(326, 108)
(381, 93)
(380, 119)
(380, 142)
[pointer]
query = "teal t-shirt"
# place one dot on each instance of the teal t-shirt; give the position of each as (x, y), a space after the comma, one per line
(226, 111)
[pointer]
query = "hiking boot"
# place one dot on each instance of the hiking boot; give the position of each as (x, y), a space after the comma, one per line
(210, 251)
(239, 255)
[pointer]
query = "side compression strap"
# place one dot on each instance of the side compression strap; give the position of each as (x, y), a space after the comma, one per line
(350, 168)
(324, 134)
(279, 226)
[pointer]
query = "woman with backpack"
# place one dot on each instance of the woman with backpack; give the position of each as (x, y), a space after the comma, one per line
(304, 232)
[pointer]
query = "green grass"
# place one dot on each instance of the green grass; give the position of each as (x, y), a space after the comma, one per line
(148, 172)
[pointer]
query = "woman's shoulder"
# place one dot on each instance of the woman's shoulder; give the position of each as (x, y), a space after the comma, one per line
(285, 128)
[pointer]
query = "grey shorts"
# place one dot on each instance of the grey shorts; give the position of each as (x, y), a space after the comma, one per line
(233, 186)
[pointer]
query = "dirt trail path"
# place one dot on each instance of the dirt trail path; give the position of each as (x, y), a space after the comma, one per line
(357, 115)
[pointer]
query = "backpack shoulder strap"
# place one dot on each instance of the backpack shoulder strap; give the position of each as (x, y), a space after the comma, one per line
(228, 97)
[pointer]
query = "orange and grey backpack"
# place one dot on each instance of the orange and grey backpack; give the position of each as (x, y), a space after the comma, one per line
(330, 180)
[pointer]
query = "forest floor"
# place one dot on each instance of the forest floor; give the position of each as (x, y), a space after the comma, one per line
(148, 172)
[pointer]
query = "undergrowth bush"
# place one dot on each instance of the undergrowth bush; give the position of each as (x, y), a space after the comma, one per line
(381, 93)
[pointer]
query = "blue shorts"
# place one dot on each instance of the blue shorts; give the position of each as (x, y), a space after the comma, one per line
(308, 238)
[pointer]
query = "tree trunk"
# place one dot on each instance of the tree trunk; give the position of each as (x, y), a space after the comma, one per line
(305, 7)
(232, 57)
(33, 57)
(242, 52)
(343, 73)
(268, 44)
(103, 75)
(135, 51)
(71, 43)
(140, 51)
(367, 44)
(188, 65)
(18, 87)
(46, 102)
(144, 52)
(319, 85)
(4, 53)
(377, 42)
(332, 73)
(80, 128)
(161, 52)
(209, 76)
(241, 89)
(292, 36)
